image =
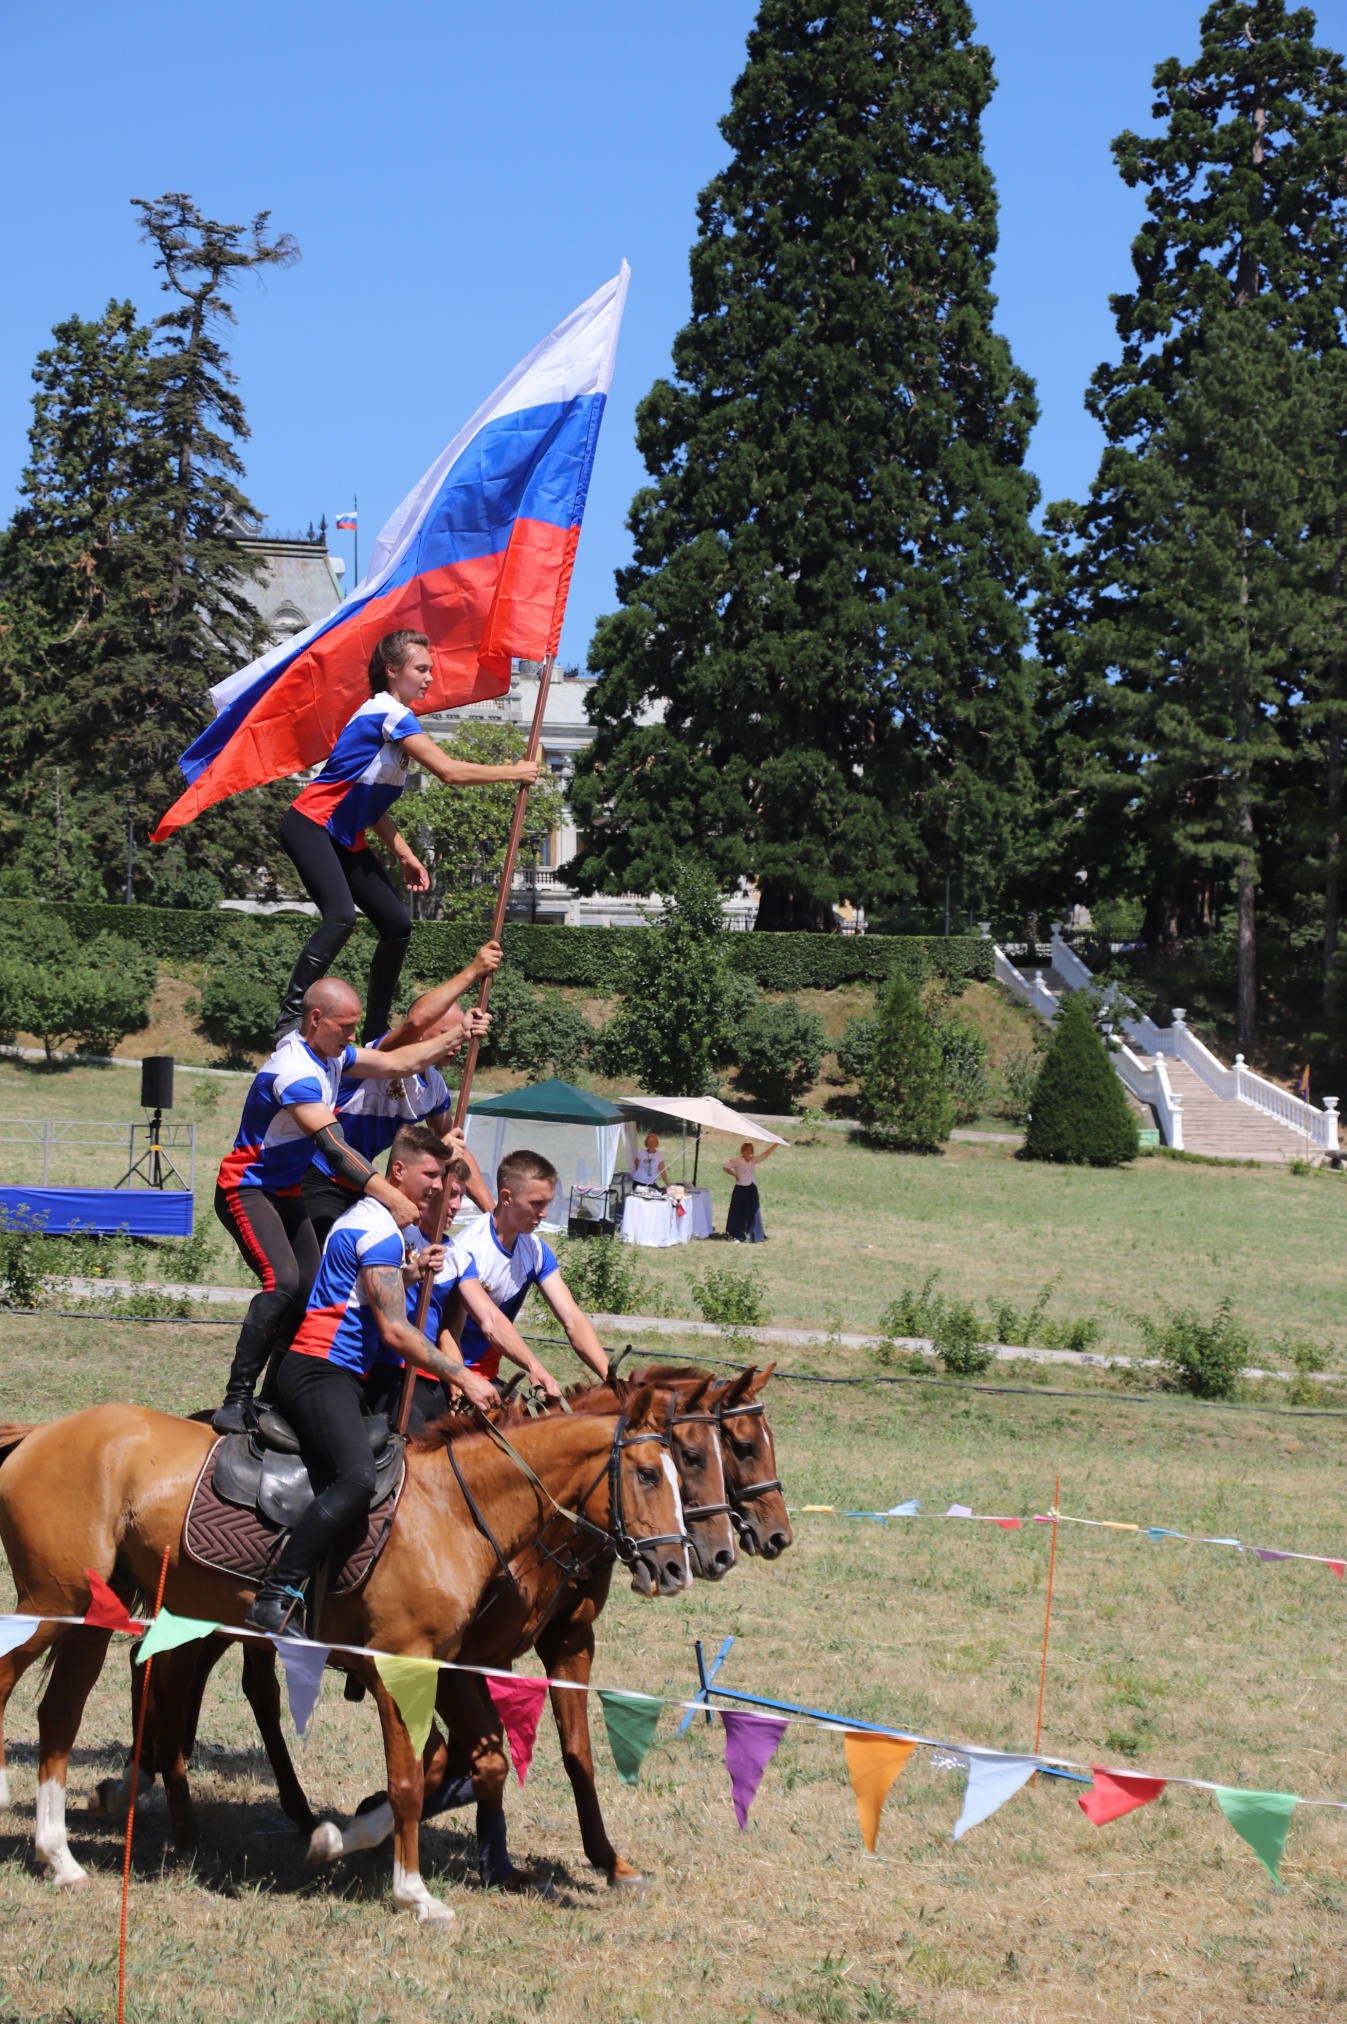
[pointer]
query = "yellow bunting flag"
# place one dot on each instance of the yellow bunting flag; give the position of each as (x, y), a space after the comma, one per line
(874, 1762)
(413, 1684)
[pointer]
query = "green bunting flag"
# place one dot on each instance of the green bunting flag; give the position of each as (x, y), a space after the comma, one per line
(413, 1684)
(167, 1632)
(631, 1721)
(1262, 1819)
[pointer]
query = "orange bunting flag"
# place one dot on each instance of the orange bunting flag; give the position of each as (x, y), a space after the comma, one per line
(874, 1763)
(1115, 1793)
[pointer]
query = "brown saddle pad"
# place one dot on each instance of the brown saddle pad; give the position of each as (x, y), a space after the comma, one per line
(230, 1539)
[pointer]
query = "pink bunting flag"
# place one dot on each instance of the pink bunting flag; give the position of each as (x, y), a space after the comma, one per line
(1115, 1793)
(750, 1745)
(1339, 1567)
(519, 1703)
(106, 1609)
(1270, 1553)
(959, 1511)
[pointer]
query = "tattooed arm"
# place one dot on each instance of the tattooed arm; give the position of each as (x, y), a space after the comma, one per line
(386, 1294)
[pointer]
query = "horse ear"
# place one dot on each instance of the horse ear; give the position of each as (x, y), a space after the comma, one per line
(766, 1374)
(638, 1407)
(698, 1393)
(739, 1386)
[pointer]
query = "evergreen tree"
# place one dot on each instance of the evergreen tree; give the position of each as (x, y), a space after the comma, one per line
(904, 1095)
(830, 563)
(1079, 1114)
(672, 1025)
(1247, 211)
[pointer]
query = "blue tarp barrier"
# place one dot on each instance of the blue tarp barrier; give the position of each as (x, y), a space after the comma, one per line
(60, 1212)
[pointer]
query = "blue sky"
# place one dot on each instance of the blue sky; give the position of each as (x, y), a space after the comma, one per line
(459, 177)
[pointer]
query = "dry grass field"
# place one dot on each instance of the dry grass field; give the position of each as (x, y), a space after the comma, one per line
(1173, 1658)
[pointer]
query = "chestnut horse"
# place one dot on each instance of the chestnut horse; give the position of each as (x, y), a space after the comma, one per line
(108, 1489)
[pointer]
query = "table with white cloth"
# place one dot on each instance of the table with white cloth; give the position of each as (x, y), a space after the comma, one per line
(656, 1223)
(697, 1201)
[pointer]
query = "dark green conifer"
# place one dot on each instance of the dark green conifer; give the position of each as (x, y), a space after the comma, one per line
(1079, 1114)
(831, 558)
(904, 1095)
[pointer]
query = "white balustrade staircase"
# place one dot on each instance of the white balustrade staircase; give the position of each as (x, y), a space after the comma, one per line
(1199, 1105)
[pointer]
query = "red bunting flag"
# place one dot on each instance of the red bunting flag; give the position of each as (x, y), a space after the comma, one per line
(1117, 1792)
(106, 1610)
(1009, 1524)
(519, 1703)
(1339, 1567)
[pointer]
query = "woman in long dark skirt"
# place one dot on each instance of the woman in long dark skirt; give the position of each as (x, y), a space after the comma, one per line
(743, 1225)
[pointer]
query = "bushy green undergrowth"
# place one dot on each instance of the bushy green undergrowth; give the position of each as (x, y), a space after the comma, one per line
(730, 1296)
(605, 1276)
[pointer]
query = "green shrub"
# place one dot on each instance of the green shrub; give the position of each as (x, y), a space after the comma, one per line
(177, 883)
(1079, 1114)
(1205, 1358)
(958, 1341)
(731, 1297)
(855, 1049)
(779, 1049)
(23, 1272)
(914, 1313)
(1019, 1073)
(89, 995)
(605, 1276)
(537, 1032)
(904, 1100)
(671, 1028)
(243, 988)
(964, 1053)
(1012, 1325)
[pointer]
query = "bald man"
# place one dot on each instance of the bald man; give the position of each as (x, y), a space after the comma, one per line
(290, 1112)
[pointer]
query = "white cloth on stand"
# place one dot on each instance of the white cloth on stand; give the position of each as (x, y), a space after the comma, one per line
(656, 1225)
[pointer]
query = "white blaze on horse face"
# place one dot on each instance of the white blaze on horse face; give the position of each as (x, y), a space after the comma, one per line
(666, 1463)
(49, 1838)
(411, 1895)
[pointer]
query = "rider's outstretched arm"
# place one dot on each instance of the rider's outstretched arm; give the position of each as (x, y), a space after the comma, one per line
(427, 1011)
(501, 1332)
(387, 1296)
(580, 1330)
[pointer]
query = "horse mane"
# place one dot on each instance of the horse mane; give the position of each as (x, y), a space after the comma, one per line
(452, 1427)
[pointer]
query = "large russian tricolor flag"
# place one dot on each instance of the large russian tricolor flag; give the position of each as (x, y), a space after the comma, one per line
(478, 556)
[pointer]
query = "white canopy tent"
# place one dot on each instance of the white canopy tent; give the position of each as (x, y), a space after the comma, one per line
(705, 1113)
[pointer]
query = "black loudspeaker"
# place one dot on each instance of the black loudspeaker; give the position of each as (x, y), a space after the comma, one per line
(156, 1082)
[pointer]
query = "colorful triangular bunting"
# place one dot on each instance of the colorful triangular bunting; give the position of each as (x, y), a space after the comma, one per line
(991, 1781)
(14, 1631)
(168, 1631)
(750, 1744)
(106, 1609)
(303, 1665)
(631, 1721)
(1261, 1819)
(1117, 1792)
(413, 1684)
(873, 1762)
(519, 1703)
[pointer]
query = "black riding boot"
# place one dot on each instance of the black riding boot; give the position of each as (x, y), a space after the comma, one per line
(267, 1312)
(315, 959)
(332, 1513)
(385, 968)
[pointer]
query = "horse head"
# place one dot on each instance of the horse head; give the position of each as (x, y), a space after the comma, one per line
(695, 1445)
(751, 1482)
(646, 1510)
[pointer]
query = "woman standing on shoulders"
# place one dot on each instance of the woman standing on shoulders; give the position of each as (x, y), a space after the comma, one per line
(324, 830)
(743, 1225)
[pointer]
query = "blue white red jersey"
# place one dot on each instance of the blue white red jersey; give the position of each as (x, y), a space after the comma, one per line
(371, 1111)
(365, 775)
(339, 1325)
(457, 1266)
(507, 1277)
(271, 1151)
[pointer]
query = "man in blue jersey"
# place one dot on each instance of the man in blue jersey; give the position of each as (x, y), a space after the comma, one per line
(357, 1308)
(453, 1273)
(370, 1112)
(510, 1257)
(289, 1111)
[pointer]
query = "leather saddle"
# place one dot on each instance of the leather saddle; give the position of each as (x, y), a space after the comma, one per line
(265, 1472)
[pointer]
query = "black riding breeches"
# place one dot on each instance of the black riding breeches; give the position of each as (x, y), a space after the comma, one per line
(276, 1238)
(340, 882)
(325, 1404)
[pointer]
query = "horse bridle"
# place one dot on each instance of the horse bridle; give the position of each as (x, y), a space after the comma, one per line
(738, 1497)
(696, 1512)
(627, 1548)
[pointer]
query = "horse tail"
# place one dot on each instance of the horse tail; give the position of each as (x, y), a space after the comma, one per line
(11, 1433)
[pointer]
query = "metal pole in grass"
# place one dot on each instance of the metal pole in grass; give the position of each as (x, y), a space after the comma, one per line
(1047, 1614)
(131, 1803)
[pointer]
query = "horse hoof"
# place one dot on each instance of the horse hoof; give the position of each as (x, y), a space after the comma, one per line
(72, 1879)
(624, 1877)
(435, 1917)
(324, 1845)
(522, 1883)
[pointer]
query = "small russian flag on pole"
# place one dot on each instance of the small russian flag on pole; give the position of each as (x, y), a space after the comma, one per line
(346, 522)
(478, 557)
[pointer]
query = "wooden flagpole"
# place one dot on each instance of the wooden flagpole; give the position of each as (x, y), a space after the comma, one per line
(483, 995)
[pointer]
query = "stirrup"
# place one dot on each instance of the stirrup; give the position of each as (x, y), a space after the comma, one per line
(268, 1603)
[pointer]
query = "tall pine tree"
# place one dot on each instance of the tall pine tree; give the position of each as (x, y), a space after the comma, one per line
(1246, 211)
(830, 565)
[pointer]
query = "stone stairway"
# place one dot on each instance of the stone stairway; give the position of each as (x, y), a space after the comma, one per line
(1228, 1131)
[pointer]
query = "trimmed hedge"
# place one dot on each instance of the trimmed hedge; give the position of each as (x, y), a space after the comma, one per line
(589, 958)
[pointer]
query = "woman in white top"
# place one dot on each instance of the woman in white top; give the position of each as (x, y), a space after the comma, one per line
(743, 1225)
(650, 1171)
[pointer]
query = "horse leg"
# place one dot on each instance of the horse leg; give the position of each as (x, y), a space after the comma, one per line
(405, 1792)
(263, 1690)
(567, 1653)
(170, 1711)
(469, 1713)
(79, 1660)
(372, 1822)
(13, 1666)
(111, 1796)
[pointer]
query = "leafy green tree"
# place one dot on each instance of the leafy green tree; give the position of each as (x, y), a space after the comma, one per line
(538, 1032)
(52, 855)
(671, 1029)
(904, 1096)
(461, 833)
(86, 994)
(831, 559)
(1079, 1114)
(779, 1049)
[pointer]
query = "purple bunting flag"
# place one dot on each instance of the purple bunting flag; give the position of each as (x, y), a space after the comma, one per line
(750, 1745)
